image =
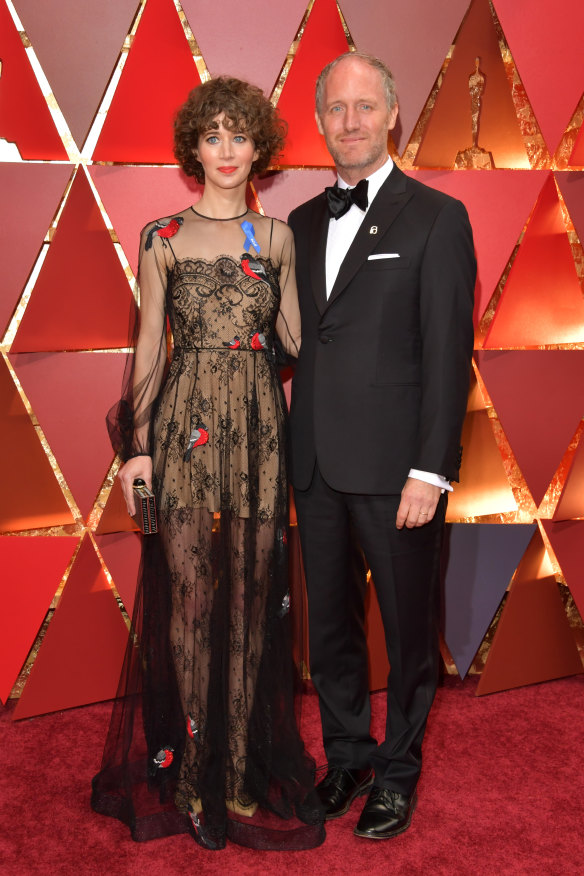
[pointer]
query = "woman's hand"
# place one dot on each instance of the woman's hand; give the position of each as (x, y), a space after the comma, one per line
(137, 467)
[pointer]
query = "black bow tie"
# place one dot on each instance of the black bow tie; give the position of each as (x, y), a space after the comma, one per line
(340, 200)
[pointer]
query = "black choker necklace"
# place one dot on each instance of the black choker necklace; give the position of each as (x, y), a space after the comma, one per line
(216, 219)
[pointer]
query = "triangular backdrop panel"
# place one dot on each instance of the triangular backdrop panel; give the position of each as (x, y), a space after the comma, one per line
(480, 561)
(81, 299)
(157, 77)
(541, 30)
(539, 398)
(280, 193)
(81, 655)
(542, 300)
(377, 651)
(533, 641)
(31, 195)
(323, 39)
(121, 553)
(89, 36)
(484, 487)
(571, 502)
(115, 517)
(499, 204)
(414, 36)
(448, 130)
(31, 571)
(35, 500)
(566, 540)
(571, 185)
(24, 115)
(250, 42)
(577, 156)
(134, 196)
(71, 394)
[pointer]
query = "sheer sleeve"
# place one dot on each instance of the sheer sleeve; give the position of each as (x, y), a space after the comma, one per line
(288, 320)
(130, 420)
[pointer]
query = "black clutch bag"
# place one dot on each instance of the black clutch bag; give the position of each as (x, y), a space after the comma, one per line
(145, 515)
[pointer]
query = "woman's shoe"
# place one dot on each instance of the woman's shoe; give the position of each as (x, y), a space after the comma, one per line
(239, 809)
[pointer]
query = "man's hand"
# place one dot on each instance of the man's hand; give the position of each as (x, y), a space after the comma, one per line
(418, 503)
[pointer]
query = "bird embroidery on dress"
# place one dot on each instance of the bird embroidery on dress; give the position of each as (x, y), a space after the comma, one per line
(253, 268)
(193, 730)
(163, 228)
(164, 758)
(199, 436)
(258, 342)
(233, 344)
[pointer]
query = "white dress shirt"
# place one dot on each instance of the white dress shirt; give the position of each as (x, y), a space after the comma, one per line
(341, 233)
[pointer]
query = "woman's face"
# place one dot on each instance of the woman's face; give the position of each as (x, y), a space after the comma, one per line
(226, 156)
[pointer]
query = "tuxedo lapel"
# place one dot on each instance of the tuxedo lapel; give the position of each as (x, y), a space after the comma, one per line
(317, 248)
(385, 208)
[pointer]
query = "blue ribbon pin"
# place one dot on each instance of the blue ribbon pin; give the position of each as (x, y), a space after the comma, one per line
(250, 240)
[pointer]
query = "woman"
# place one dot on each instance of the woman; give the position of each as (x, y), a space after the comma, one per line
(206, 723)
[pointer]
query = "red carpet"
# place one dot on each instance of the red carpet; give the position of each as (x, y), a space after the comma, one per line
(502, 793)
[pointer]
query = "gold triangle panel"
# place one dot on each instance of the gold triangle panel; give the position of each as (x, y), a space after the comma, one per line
(33, 498)
(450, 130)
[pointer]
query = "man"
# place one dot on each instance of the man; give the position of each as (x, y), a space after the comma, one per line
(385, 285)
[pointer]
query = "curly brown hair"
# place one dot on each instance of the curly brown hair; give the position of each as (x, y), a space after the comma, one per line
(246, 109)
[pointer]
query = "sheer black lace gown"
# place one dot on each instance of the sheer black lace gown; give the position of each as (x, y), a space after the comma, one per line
(203, 734)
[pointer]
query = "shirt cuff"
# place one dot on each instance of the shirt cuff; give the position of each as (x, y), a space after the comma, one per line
(431, 478)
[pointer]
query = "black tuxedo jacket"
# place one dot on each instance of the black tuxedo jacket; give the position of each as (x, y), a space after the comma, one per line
(382, 378)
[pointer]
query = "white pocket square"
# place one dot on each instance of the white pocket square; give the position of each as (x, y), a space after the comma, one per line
(384, 255)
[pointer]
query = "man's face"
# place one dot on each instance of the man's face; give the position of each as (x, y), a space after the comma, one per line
(355, 119)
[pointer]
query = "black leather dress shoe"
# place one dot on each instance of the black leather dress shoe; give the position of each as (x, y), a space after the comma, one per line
(385, 814)
(339, 788)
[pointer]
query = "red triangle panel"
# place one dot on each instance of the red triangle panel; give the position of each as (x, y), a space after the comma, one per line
(156, 79)
(542, 300)
(571, 184)
(71, 394)
(219, 37)
(81, 299)
(36, 500)
(135, 196)
(81, 655)
(543, 30)
(31, 571)
(280, 193)
(89, 37)
(323, 39)
(566, 539)
(577, 156)
(121, 552)
(539, 398)
(571, 502)
(22, 226)
(449, 130)
(24, 115)
(416, 35)
(499, 204)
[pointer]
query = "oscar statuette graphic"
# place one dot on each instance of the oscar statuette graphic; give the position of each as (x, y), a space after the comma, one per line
(474, 156)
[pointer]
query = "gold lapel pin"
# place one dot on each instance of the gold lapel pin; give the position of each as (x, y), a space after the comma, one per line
(373, 229)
